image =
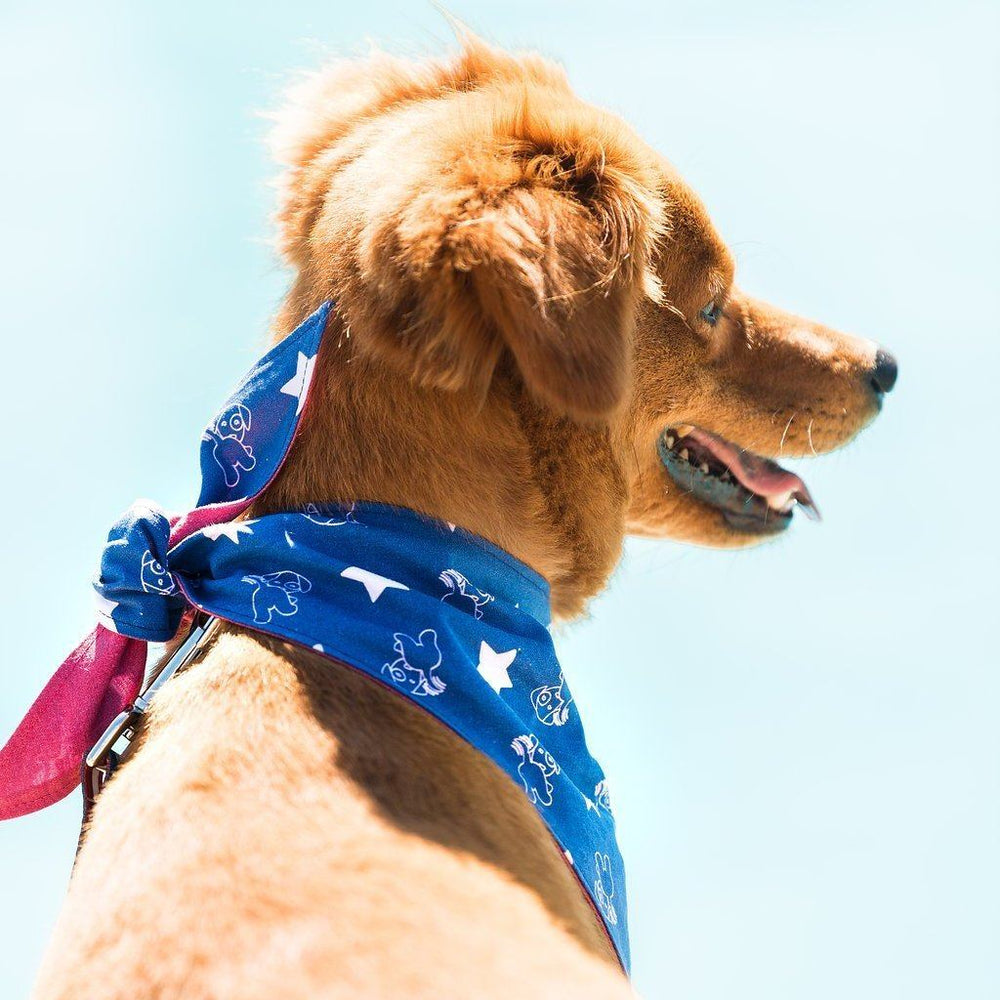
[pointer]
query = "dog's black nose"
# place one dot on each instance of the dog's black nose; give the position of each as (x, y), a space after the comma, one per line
(885, 372)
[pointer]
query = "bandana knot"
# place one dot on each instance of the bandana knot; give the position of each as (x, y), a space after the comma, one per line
(137, 595)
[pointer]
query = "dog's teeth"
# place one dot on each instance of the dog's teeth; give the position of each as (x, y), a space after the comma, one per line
(704, 467)
(684, 454)
(782, 502)
(810, 510)
(670, 440)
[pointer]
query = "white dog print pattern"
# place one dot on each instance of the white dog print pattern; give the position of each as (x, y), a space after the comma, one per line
(314, 514)
(463, 594)
(602, 796)
(275, 594)
(154, 576)
(551, 703)
(536, 767)
(229, 449)
(416, 664)
(604, 887)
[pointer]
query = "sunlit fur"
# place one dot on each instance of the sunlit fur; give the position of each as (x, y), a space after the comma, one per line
(518, 279)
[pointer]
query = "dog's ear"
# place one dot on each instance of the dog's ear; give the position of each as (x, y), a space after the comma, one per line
(551, 266)
(490, 211)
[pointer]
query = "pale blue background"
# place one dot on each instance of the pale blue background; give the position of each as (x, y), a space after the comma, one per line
(803, 739)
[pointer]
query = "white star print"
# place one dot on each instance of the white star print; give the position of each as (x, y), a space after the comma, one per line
(590, 805)
(231, 530)
(104, 608)
(493, 666)
(372, 582)
(299, 382)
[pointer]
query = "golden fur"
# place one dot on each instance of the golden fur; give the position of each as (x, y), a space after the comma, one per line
(518, 279)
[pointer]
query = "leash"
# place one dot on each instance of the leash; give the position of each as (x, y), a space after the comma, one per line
(107, 754)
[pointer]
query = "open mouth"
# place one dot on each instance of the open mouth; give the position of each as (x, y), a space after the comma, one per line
(754, 494)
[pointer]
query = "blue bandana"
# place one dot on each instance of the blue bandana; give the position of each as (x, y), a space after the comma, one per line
(426, 608)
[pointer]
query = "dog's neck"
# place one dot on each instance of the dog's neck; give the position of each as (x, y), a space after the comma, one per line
(503, 467)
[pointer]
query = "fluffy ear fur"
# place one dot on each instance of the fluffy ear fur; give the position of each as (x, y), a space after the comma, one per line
(460, 210)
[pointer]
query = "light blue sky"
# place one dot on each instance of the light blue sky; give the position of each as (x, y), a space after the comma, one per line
(803, 738)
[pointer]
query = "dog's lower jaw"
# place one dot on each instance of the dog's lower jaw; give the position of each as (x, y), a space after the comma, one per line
(670, 513)
(287, 828)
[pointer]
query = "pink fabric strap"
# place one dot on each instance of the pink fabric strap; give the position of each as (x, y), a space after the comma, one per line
(40, 764)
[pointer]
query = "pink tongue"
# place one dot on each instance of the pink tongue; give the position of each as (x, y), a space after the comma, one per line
(757, 474)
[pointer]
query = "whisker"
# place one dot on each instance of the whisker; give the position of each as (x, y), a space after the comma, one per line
(809, 434)
(781, 446)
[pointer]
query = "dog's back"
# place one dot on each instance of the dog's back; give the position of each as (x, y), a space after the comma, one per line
(263, 843)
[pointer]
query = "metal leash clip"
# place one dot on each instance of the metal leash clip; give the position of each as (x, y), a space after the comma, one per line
(107, 753)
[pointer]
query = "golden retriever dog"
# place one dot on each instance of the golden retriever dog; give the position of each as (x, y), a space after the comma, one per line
(537, 336)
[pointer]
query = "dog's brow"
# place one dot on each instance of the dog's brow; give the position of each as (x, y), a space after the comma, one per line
(718, 281)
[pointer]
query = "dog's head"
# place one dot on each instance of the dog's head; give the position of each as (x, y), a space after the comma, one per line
(517, 273)
(234, 423)
(288, 581)
(724, 385)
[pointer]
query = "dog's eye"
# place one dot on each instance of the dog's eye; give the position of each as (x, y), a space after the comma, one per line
(711, 313)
